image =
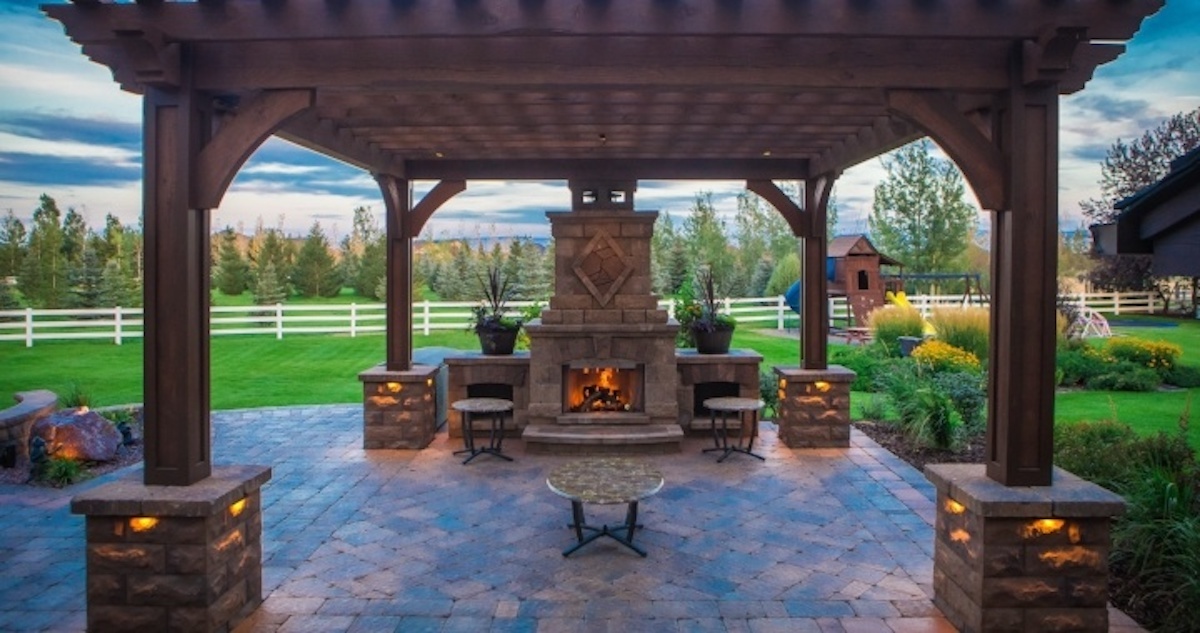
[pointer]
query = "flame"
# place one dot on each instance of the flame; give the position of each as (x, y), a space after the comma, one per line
(606, 377)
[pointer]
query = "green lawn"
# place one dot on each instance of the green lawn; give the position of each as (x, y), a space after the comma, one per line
(254, 371)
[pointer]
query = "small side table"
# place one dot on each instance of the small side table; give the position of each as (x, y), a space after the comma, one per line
(471, 407)
(738, 407)
(605, 481)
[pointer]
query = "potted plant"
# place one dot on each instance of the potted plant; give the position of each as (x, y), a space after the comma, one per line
(711, 329)
(497, 332)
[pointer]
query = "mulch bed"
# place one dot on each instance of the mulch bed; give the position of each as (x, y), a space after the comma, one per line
(891, 438)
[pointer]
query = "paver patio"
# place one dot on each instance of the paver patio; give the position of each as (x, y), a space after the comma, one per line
(810, 540)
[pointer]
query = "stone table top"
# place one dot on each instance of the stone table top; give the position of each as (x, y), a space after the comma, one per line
(734, 404)
(482, 405)
(605, 480)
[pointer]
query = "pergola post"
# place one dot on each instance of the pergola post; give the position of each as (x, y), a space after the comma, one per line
(197, 517)
(1000, 526)
(400, 398)
(1024, 268)
(177, 262)
(814, 399)
(397, 200)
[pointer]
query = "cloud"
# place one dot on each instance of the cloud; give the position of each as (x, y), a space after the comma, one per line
(1110, 108)
(44, 169)
(280, 169)
(63, 127)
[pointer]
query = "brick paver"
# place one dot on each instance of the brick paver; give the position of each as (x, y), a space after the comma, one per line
(354, 540)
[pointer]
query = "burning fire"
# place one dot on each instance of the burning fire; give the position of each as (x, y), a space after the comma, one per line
(601, 391)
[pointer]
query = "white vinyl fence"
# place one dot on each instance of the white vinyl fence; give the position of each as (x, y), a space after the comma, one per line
(121, 324)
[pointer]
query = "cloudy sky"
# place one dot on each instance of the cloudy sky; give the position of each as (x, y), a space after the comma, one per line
(68, 131)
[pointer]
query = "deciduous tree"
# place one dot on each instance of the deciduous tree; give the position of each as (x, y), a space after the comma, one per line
(920, 215)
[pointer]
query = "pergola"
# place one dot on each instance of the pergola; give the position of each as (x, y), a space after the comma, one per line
(602, 90)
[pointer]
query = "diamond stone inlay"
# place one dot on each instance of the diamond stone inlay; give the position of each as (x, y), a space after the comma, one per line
(602, 267)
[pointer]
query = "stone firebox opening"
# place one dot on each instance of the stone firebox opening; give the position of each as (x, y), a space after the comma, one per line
(705, 390)
(605, 386)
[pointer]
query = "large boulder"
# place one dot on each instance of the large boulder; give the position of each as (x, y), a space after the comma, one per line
(78, 434)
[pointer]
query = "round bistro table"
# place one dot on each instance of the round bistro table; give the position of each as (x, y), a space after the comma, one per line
(605, 481)
(738, 407)
(471, 407)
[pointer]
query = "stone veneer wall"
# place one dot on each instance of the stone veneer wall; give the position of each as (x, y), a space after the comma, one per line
(738, 366)
(399, 407)
(1021, 558)
(814, 407)
(475, 369)
(603, 308)
(198, 568)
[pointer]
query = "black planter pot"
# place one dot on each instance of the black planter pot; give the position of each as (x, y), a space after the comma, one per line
(715, 342)
(908, 344)
(498, 342)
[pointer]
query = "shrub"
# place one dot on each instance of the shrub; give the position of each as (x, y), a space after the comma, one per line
(1125, 376)
(873, 408)
(1080, 364)
(1156, 355)
(940, 356)
(890, 322)
(62, 471)
(1087, 448)
(968, 394)
(926, 414)
(964, 328)
(1185, 376)
(864, 360)
(768, 390)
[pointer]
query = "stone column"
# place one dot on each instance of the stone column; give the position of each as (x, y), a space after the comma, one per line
(1021, 558)
(174, 558)
(399, 407)
(814, 407)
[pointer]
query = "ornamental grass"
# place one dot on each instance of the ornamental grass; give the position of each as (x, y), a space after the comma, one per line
(890, 322)
(964, 328)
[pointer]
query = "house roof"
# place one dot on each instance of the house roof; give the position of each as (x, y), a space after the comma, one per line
(1184, 174)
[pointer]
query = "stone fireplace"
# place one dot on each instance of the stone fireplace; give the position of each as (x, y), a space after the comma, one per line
(602, 373)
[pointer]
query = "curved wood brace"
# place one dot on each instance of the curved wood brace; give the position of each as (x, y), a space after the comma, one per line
(980, 160)
(439, 195)
(237, 139)
(796, 218)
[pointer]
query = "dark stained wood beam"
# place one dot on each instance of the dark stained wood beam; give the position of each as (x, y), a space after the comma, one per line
(974, 153)
(884, 135)
(239, 135)
(433, 200)
(792, 213)
(236, 21)
(322, 136)
(581, 169)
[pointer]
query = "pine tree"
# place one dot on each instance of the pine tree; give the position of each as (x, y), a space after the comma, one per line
(920, 215)
(269, 288)
(232, 275)
(43, 278)
(761, 277)
(75, 233)
(372, 267)
(113, 238)
(86, 279)
(315, 273)
(270, 249)
(117, 288)
(8, 297)
(364, 230)
(12, 245)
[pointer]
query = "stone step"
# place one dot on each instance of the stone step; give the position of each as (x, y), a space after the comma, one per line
(602, 439)
(609, 418)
